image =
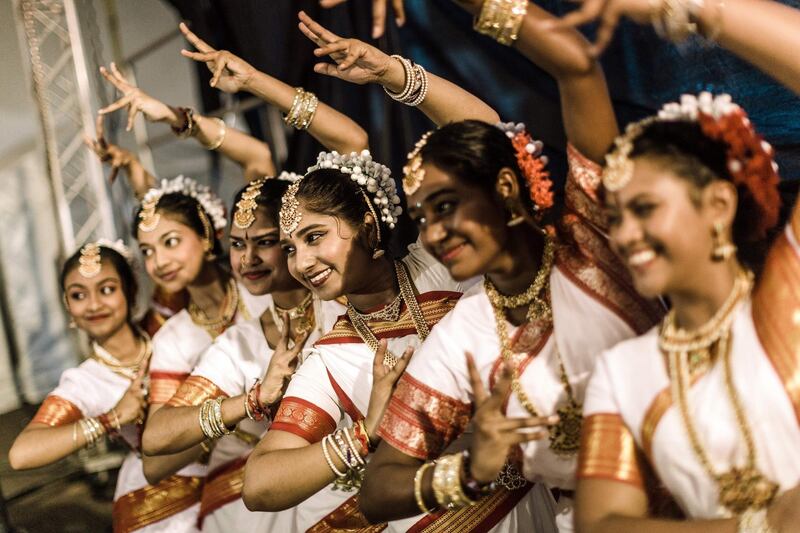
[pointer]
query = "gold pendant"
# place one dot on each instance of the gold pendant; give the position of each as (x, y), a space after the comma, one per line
(510, 478)
(303, 325)
(565, 437)
(745, 488)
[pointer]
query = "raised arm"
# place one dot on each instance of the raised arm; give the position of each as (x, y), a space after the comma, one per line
(232, 74)
(762, 32)
(251, 154)
(587, 112)
(360, 63)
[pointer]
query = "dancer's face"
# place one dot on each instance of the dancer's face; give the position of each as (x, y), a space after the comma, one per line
(173, 253)
(97, 304)
(661, 226)
(326, 255)
(459, 224)
(256, 256)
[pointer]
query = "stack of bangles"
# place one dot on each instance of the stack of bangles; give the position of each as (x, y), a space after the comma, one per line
(190, 128)
(675, 20)
(303, 109)
(453, 486)
(92, 431)
(110, 423)
(253, 407)
(502, 19)
(416, 85)
(351, 446)
(211, 421)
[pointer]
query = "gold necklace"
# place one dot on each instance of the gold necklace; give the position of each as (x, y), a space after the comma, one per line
(740, 488)
(407, 294)
(305, 320)
(230, 305)
(129, 370)
(565, 437)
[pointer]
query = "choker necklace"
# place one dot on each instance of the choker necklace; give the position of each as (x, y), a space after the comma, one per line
(407, 296)
(565, 436)
(305, 321)
(230, 305)
(126, 370)
(741, 488)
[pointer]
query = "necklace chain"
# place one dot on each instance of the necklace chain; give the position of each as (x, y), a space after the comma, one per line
(230, 305)
(407, 295)
(740, 488)
(300, 312)
(127, 370)
(565, 436)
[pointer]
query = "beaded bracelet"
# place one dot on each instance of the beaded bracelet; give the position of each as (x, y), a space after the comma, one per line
(415, 88)
(331, 464)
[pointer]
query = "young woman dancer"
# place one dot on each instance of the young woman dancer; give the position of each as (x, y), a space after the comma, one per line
(104, 397)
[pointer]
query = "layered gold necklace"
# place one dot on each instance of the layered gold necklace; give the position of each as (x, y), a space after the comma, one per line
(565, 436)
(407, 295)
(690, 352)
(126, 370)
(230, 305)
(302, 314)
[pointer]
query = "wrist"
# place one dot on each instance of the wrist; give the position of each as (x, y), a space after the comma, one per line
(393, 76)
(174, 117)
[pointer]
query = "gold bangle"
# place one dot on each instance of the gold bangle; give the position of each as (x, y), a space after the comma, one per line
(502, 19)
(223, 131)
(447, 482)
(418, 486)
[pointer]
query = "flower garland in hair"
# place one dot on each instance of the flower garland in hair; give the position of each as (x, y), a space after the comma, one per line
(532, 164)
(291, 177)
(750, 159)
(370, 175)
(209, 201)
(119, 247)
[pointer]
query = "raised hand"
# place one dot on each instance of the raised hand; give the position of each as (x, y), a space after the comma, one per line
(231, 73)
(384, 380)
(608, 12)
(378, 13)
(495, 433)
(112, 154)
(135, 100)
(358, 62)
(282, 365)
(131, 407)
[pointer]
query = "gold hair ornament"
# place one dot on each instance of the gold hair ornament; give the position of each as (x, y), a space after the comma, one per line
(413, 173)
(90, 260)
(290, 215)
(208, 201)
(244, 216)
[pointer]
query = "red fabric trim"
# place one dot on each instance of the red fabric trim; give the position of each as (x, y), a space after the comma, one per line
(165, 374)
(311, 430)
(347, 404)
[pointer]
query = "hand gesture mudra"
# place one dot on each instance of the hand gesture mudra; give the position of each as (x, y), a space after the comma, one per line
(357, 61)
(608, 13)
(134, 99)
(282, 364)
(378, 13)
(231, 73)
(495, 433)
(107, 152)
(384, 380)
(132, 406)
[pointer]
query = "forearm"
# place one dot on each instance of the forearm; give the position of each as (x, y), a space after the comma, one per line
(174, 429)
(43, 445)
(621, 524)
(331, 128)
(765, 33)
(280, 479)
(388, 491)
(253, 155)
(445, 102)
(159, 467)
(141, 180)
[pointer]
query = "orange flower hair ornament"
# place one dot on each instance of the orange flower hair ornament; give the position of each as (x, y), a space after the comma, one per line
(532, 164)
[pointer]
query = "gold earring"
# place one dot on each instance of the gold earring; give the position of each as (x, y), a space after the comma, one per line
(72, 324)
(378, 253)
(723, 249)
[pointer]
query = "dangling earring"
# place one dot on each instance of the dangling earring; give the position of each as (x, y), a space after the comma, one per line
(723, 249)
(515, 221)
(209, 253)
(72, 324)
(378, 253)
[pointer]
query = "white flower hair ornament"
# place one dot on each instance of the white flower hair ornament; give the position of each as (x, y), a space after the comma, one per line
(211, 204)
(371, 176)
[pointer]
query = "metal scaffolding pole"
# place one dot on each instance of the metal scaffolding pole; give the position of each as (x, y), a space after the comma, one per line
(50, 31)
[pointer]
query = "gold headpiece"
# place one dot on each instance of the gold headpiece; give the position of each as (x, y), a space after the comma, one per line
(413, 173)
(90, 261)
(244, 216)
(619, 166)
(290, 215)
(148, 218)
